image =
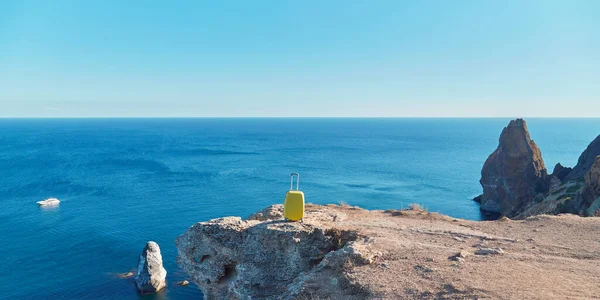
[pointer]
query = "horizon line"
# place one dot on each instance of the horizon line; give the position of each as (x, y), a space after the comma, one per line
(298, 117)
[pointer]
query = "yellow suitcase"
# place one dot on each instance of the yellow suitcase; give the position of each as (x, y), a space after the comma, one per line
(293, 207)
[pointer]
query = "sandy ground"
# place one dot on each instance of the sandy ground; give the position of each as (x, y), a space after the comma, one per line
(543, 257)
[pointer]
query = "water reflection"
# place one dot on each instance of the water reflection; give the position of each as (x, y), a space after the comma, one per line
(50, 208)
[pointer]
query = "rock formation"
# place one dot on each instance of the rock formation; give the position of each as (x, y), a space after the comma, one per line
(342, 252)
(514, 174)
(515, 182)
(273, 212)
(561, 172)
(230, 258)
(585, 161)
(151, 275)
(591, 190)
(580, 196)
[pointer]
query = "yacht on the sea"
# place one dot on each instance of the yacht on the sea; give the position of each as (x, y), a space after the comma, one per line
(49, 202)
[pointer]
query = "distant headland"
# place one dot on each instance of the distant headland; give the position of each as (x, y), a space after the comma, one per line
(516, 182)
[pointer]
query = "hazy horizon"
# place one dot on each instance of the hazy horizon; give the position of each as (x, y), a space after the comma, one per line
(300, 59)
(293, 117)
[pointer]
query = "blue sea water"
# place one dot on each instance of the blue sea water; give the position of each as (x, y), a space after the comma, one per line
(123, 182)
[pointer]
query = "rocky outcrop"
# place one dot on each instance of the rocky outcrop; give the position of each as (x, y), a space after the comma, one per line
(151, 275)
(515, 182)
(561, 172)
(586, 160)
(266, 258)
(514, 174)
(273, 212)
(342, 252)
(591, 190)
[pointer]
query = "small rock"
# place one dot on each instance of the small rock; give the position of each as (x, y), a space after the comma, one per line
(425, 269)
(458, 239)
(460, 256)
(488, 251)
(183, 283)
(273, 212)
(429, 259)
(536, 230)
(480, 245)
(151, 274)
(125, 275)
(384, 266)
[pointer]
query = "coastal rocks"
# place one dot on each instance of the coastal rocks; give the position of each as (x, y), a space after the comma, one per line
(514, 174)
(385, 256)
(151, 275)
(569, 191)
(125, 275)
(561, 172)
(586, 160)
(230, 258)
(591, 190)
(183, 283)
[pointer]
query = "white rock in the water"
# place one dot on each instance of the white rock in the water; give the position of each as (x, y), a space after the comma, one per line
(151, 275)
(49, 202)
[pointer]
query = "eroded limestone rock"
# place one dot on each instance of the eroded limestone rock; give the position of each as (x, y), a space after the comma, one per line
(229, 258)
(151, 275)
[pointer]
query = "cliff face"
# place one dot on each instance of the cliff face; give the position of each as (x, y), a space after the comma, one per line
(586, 160)
(591, 190)
(352, 253)
(265, 257)
(516, 184)
(561, 172)
(514, 174)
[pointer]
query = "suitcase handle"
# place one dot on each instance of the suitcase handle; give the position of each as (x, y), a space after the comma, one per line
(292, 181)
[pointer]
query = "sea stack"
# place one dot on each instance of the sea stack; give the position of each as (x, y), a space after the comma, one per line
(151, 275)
(514, 173)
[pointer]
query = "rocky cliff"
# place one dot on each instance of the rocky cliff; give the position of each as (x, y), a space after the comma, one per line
(514, 174)
(590, 194)
(345, 252)
(515, 182)
(586, 160)
(265, 257)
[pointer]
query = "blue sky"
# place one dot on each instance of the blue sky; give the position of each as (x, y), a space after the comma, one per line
(299, 58)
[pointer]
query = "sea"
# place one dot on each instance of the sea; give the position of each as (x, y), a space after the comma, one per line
(123, 182)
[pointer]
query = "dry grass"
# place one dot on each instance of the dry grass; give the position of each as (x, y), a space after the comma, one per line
(416, 207)
(343, 203)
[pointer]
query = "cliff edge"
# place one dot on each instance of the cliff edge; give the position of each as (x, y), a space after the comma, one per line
(343, 252)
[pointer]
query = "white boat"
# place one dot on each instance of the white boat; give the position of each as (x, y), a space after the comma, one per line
(49, 202)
